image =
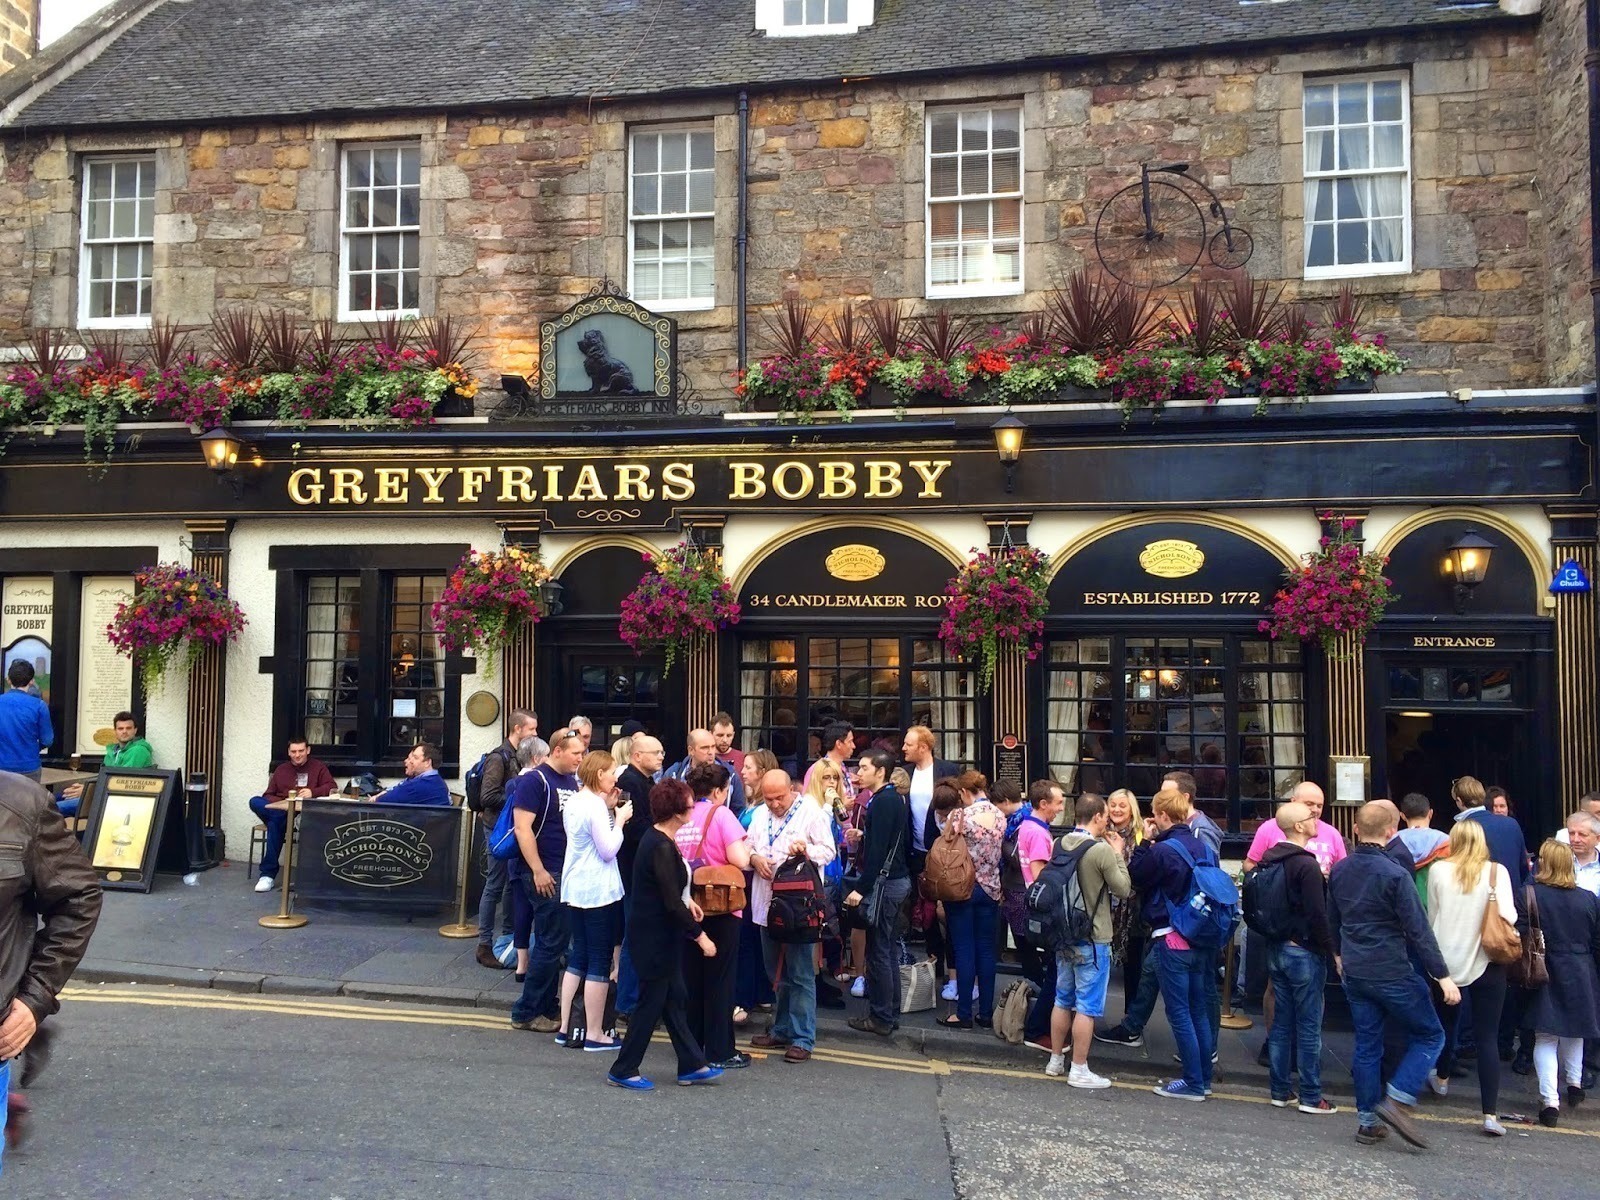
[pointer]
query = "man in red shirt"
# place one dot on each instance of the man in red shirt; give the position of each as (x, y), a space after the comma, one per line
(302, 777)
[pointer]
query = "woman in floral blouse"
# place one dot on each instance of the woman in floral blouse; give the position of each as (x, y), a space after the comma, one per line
(972, 922)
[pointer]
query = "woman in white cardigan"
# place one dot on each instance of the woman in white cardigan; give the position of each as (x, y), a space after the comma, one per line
(591, 888)
(1459, 893)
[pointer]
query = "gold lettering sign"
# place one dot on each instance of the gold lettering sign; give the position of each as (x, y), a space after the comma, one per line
(134, 785)
(855, 563)
(1452, 643)
(1171, 558)
(838, 600)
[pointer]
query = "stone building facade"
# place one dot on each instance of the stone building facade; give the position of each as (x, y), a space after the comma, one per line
(523, 209)
(524, 167)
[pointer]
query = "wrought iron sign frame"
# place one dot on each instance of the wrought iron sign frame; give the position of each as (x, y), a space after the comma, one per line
(659, 395)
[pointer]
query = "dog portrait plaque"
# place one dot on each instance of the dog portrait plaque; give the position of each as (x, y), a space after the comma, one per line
(606, 348)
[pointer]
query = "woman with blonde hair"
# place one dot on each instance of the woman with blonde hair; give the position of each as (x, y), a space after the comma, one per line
(1567, 1009)
(1129, 933)
(591, 888)
(1459, 895)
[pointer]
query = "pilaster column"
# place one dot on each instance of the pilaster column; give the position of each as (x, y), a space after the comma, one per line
(1346, 699)
(517, 656)
(1008, 695)
(1572, 536)
(702, 663)
(208, 545)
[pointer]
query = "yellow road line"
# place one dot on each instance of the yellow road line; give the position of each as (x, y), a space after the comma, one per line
(469, 1019)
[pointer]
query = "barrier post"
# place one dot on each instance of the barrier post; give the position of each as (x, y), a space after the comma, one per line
(1231, 1019)
(460, 928)
(284, 919)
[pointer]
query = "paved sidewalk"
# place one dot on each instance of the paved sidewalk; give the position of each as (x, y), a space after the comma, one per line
(206, 935)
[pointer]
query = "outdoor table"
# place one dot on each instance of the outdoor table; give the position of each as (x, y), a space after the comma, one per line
(54, 777)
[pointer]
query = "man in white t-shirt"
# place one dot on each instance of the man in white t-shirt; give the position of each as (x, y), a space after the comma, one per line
(1590, 804)
(925, 769)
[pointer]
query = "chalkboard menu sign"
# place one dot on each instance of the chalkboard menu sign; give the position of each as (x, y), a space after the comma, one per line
(392, 856)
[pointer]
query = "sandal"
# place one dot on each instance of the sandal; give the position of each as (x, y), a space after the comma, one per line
(953, 1022)
(740, 1016)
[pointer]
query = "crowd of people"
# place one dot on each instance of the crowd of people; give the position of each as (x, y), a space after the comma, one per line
(648, 893)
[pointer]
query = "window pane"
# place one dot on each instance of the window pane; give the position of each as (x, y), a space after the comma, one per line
(410, 206)
(1389, 146)
(701, 156)
(99, 219)
(942, 133)
(385, 207)
(359, 168)
(943, 177)
(975, 130)
(1319, 249)
(1387, 100)
(360, 293)
(100, 181)
(1007, 173)
(1355, 150)
(700, 192)
(358, 210)
(645, 152)
(646, 198)
(386, 292)
(1352, 241)
(674, 193)
(974, 174)
(360, 252)
(1007, 128)
(385, 168)
(146, 223)
(674, 152)
(1352, 103)
(411, 166)
(1319, 149)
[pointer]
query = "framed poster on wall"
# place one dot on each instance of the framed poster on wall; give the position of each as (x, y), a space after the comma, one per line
(126, 818)
(105, 678)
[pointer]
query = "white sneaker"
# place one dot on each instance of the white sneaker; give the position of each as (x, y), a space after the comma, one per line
(974, 990)
(859, 987)
(1082, 1077)
(1057, 1066)
(266, 883)
(1492, 1126)
(949, 990)
(1439, 1087)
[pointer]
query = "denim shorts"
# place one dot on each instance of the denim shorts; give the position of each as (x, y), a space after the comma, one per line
(1083, 971)
(594, 937)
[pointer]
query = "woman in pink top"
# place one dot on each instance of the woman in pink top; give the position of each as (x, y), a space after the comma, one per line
(713, 837)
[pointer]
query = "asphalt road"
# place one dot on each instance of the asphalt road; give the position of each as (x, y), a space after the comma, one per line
(157, 1093)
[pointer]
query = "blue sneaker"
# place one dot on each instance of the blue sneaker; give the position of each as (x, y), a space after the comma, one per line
(1178, 1090)
(592, 1047)
(703, 1075)
(635, 1083)
(561, 1039)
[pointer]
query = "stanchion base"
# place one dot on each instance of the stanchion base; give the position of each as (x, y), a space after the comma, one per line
(292, 921)
(1236, 1021)
(458, 930)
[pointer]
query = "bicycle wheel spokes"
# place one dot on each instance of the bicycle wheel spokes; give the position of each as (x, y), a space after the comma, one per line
(1231, 247)
(1155, 252)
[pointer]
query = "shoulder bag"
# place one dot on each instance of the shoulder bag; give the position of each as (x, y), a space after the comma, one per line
(1501, 942)
(717, 890)
(1529, 971)
(865, 915)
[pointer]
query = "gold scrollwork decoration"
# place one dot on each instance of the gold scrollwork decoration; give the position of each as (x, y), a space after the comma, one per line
(608, 516)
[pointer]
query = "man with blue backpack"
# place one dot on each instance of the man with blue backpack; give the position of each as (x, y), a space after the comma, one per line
(485, 786)
(1192, 907)
(1069, 911)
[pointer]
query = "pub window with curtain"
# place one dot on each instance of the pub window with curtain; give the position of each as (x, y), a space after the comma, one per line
(369, 692)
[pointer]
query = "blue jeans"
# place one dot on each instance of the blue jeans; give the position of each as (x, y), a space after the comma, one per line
(496, 873)
(794, 1016)
(1038, 1023)
(594, 939)
(627, 977)
(1137, 1008)
(5, 1098)
(1406, 1005)
(972, 927)
(1183, 991)
(548, 919)
(1298, 977)
(883, 957)
(277, 822)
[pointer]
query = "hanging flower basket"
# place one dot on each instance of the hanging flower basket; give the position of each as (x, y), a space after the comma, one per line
(684, 600)
(491, 596)
(996, 602)
(1339, 590)
(175, 614)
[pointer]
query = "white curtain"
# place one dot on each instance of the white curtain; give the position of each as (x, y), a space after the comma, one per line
(322, 594)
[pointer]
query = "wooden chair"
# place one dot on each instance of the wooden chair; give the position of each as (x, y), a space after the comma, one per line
(80, 821)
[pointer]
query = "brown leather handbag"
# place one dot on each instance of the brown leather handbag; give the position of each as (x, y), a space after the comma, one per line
(949, 874)
(1530, 970)
(718, 890)
(1501, 942)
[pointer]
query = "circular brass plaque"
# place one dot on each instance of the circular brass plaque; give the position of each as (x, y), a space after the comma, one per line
(483, 708)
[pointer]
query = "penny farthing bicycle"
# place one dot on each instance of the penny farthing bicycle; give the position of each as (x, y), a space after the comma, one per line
(1154, 232)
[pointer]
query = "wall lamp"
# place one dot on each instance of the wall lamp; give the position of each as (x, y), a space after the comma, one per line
(221, 451)
(1010, 432)
(550, 592)
(1467, 562)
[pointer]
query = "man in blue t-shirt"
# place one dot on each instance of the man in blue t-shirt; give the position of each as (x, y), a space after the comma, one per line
(538, 798)
(25, 729)
(422, 784)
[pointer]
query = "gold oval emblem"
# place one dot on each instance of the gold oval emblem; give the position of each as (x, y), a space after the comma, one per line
(113, 876)
(855, 563)
(1171, 558)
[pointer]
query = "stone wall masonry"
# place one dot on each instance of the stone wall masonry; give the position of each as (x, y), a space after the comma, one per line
(19, 32)
(1563, 182)
(524, 212)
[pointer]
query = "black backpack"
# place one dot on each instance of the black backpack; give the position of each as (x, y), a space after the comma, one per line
(1058, 912)
(473, 783)
(1268, 906)
(798, 913)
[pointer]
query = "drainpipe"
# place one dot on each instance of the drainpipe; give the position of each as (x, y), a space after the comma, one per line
(741, 238)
